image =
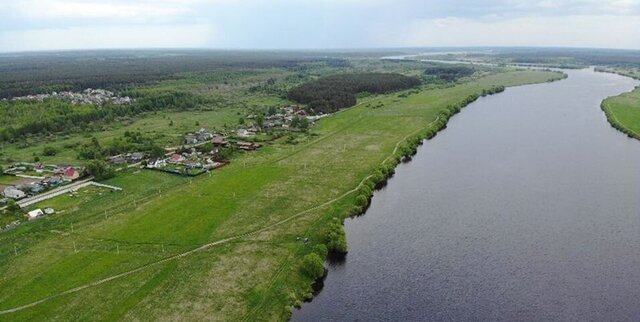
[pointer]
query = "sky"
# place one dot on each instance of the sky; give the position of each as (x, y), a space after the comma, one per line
(27, 25)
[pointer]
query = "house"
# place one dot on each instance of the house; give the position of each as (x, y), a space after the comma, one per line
(135, 157)
(52, 181)
(243, 133)
(190, 139)
(158, 164)
(219, 141)
(175, 158)
(35, 214)
(33, 187)
(248, 146)
(70, 173)
(14, 193)
(116, 159)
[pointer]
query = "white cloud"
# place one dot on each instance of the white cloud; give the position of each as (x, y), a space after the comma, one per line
(135, 36)
(563, 31)
(65, 9)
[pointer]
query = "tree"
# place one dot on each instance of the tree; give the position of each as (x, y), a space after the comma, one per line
(272, 110)
(241, 120)
(156, 151)
(100, 170)
(304, 123)
(13, 207)
(312, 266)
(49, 151)
(260, 120)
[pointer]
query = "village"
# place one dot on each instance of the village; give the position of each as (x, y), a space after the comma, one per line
(88, 96)
(200, 152)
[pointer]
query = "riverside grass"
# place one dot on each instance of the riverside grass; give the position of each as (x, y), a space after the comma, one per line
(623, 112)
(256, 278)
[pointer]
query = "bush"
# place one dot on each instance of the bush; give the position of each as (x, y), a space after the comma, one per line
(49, 151)
(312, 266)
(336, 237)
(321, 250)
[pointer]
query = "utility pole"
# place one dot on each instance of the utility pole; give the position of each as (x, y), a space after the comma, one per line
(75, 250)
(118, 248)
(15, 249)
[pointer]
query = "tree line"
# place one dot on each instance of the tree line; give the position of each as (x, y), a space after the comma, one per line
(332, 93)
(21, 118)
(449, 73)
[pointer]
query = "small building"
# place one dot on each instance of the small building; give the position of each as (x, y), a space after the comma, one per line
(49, 211)
(190, 139)
(33, 214)
(248, 146)
(14, 193)
(136, 157)
(70, 173)
(219, 141)
(243, 133)
(116, 159)
(176, 158)
(52, 181)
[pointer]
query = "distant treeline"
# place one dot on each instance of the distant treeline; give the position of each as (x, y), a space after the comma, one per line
(21, 118)
(449, 73)
(332, 93)
(571, 57)
(37, 73)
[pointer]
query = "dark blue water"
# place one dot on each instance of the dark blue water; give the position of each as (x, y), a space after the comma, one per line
(526, 208)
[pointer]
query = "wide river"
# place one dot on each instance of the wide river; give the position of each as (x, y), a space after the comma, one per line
(527, 207)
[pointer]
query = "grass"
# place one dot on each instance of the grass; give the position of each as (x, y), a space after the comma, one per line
(159, 215)
(623, 112)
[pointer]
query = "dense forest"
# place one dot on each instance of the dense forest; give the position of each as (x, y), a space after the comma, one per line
(571, 57)
(37, 73)
(20, 118)
(332, 93)
(449, 73)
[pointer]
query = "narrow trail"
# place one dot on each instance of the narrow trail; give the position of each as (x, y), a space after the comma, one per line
(212, 244)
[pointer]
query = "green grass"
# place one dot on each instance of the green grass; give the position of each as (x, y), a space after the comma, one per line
(153, 124)
(623, 112)
(158, 215)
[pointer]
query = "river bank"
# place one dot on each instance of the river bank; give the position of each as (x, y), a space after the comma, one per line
(493, 220)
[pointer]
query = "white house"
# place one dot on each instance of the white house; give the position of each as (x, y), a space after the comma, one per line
(243, 133)
(33, 214)
(14, 193)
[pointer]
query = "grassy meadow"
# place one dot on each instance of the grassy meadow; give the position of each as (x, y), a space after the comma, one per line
(623, 112)
(99, 234)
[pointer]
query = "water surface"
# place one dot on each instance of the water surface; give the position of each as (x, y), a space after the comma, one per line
(526, 208)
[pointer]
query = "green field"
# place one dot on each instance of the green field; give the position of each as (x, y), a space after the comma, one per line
(623, 112)
(273, 195)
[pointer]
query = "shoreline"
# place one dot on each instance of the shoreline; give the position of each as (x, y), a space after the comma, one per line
(404, 150)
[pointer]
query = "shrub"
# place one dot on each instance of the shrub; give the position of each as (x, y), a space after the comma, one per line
(49, 151)
(321, 250)
(312, 266)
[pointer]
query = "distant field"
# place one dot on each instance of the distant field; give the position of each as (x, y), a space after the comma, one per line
(623, 112)
(255, 278)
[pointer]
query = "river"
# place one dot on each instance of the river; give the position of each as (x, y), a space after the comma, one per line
(527, 207)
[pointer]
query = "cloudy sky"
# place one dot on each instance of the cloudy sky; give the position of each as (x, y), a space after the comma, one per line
(310, 24)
